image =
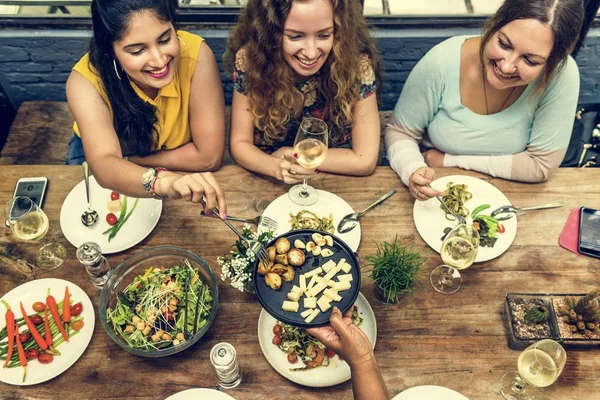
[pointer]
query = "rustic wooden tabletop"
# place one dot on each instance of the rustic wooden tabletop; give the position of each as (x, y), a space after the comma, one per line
(457, 341)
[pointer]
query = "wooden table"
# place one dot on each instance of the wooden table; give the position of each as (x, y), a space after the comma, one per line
(457, 341)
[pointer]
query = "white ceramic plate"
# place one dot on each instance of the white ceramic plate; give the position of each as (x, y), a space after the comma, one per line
(429, 392)
(200, 394)
(138, 226)
(29, 293)
(328, 203)
(335, 373)
(430, 220)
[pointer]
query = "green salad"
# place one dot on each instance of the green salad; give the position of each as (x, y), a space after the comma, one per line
(162, 308)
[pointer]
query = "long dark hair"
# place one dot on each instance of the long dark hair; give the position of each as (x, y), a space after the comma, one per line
(133, 118)
(564, 17)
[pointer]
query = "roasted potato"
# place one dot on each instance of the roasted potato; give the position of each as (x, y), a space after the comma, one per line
(326, 253)
(281, 259)
(296, 257)
(271, 253)
(317, 236)
(278, 269)
(289, 274)
(316, 251)
(310, 246)
(282, 245)
(273, 281)
(264, 267)
(328, 240)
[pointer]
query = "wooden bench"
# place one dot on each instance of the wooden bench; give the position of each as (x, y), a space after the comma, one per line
(41, 132)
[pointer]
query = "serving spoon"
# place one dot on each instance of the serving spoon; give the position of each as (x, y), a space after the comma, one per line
(349, 221)
(89, 216)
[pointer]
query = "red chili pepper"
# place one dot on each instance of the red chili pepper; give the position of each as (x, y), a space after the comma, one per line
(34, 332)
(10, 329)
(54, 310)
(67, 309)
(49, 339)
(22, 358)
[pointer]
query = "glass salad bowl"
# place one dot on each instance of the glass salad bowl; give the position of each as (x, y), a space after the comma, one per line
(142, 306)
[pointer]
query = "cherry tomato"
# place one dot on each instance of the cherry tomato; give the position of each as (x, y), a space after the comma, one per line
(277, 329)
(329, 353)
(76, 309)
(32, 354)
(111, 219)
(501, 228)
(37, 319)
(45, 358)
(24, 337)
(292, 357)
(276, 340)
(38, 306)
(114, 196)
(77, 325)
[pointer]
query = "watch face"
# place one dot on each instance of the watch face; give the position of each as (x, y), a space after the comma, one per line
(148, 175)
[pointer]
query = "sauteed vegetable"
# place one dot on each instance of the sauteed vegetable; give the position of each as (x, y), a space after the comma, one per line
(309, 220)
(455, 197)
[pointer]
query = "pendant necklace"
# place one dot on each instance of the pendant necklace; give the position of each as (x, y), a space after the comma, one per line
(487, 111)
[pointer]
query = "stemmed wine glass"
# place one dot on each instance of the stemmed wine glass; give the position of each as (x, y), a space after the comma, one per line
(458, 251)
(311, 146)
(539, 365)
(29, 223)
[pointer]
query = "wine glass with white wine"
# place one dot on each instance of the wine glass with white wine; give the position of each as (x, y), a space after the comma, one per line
(29, 223)
(458, 251)
(311, 146)
(538, 366)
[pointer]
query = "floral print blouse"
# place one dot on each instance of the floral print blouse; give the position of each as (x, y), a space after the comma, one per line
(314, 103)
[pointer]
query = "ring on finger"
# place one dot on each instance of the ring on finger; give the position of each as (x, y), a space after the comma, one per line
(290, 170)
(417, 192)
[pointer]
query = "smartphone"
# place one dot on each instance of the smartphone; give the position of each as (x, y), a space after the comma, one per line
(589, 232)
(34, 188)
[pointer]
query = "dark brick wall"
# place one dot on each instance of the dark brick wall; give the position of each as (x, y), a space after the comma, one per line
(35, 64)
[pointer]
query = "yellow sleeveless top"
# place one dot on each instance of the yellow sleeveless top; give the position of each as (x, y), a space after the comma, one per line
(172, 102)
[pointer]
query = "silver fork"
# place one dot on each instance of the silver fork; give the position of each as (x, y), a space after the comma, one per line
(255, 246)
(258, 220)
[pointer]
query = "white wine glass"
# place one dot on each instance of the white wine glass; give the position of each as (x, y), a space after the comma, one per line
(458, 252)
(538, 366)
(311, 146)
(29, 223)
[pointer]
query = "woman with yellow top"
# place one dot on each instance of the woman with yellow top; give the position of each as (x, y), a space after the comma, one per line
(146, 95)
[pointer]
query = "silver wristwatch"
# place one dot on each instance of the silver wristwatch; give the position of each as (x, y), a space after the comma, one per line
(148, 180)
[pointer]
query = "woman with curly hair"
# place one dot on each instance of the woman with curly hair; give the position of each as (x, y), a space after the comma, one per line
(501, 103)
(293, 59)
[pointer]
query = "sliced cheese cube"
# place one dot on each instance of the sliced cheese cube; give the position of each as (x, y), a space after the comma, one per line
(320, 279)
(324, 303)
(311, 283)
(345, 277)
(318, 288)
(332, 294)
(328, 265)
(312, 316)
(297, 289)
(294, 296)
(291, 306)
(346, 267)
(341, 262)
(306, 313)
(310, 302)
(332, 272)
(343, 285)
(303, 283)
(114, 206)
(330, 283)
(315, 271)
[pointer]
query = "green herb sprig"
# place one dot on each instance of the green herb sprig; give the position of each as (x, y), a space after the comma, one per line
(123, 217)
(395, 268)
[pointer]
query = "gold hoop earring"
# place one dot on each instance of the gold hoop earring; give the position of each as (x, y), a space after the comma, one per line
(182, 42)
(116, 69)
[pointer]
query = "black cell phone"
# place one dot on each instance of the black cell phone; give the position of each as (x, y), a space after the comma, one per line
(589, 232)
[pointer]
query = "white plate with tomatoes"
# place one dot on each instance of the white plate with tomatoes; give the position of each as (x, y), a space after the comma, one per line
(431, 221)
(139, 225)
(338, 371)
(43, 369)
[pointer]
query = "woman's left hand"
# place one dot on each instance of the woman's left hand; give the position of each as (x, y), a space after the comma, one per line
(434, 158)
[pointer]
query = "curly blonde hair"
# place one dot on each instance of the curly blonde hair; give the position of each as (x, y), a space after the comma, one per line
(259, 32)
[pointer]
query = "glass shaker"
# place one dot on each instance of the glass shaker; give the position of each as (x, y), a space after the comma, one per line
(96, 265)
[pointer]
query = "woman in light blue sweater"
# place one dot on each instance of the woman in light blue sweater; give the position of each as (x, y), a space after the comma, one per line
(502, 103)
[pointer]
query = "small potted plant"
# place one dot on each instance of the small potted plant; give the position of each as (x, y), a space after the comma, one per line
(239, 264)
(394, 270)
